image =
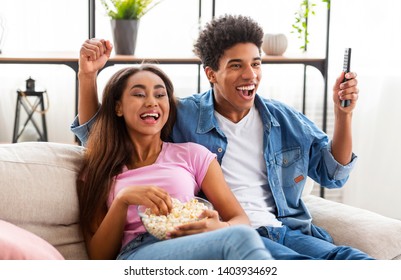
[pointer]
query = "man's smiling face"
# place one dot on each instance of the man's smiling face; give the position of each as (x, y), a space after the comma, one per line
(236, 81)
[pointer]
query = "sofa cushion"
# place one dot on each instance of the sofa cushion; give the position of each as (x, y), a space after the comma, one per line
(38, 192)
(372, 233)
(309, 184)
(19, 244)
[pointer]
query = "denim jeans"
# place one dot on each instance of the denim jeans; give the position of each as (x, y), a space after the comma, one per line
(231, 243)
(287, 244)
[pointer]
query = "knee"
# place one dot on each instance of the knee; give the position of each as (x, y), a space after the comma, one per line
(349, 253)
(243, 232)
(247, 243)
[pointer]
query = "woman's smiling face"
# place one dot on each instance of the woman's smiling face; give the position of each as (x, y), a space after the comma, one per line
(144, 104)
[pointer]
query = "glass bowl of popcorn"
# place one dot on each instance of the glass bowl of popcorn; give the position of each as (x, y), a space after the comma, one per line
(184, 211)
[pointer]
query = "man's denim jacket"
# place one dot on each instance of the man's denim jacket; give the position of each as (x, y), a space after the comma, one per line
(293, 148)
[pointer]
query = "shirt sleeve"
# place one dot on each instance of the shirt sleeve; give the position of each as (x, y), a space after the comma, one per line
(336, 170)
(82, 131)
(323, 167)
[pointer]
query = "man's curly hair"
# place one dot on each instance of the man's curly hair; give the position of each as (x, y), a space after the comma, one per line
(224, 32)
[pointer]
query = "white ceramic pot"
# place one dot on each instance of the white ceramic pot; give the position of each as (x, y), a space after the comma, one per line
(274, 44)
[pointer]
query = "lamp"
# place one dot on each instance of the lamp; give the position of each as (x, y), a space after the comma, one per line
(30, 84)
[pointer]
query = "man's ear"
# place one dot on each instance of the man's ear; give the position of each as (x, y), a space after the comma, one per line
(210, 74)
(119, 111)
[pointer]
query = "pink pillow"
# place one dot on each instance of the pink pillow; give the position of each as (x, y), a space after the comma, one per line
(19, 244)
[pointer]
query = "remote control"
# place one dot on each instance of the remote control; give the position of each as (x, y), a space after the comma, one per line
(346, 69)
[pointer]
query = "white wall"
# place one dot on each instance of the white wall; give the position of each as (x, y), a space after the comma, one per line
(44, 25)
(371, 29)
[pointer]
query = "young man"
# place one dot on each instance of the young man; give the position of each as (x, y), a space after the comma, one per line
(266, 149)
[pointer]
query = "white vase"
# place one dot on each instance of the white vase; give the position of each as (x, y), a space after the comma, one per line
(274, 44)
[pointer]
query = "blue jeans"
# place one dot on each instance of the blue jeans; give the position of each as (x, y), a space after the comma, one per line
(231, 243)
(287, 244)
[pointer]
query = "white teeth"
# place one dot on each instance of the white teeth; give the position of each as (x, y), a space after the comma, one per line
(150, 115)
(251, 87)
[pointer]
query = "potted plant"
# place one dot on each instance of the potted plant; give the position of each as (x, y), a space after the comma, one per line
(125, 16)
(300, 26)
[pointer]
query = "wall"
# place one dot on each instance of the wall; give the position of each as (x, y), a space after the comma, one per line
(43, 25)
(375, 183)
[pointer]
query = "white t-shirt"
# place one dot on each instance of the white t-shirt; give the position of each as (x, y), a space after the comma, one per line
(244, 168)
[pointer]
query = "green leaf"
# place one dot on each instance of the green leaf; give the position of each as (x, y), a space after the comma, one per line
(306, 7)
(128, 9)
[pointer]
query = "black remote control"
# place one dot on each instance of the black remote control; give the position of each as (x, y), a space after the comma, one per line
(346, 69)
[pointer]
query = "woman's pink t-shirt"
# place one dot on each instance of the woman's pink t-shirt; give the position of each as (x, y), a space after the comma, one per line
(179, 169)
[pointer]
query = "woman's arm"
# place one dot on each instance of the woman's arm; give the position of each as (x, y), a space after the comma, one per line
(105, 243)
(93, 56)
(219, 194)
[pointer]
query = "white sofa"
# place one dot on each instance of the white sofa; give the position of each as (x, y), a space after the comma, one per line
(38, 198)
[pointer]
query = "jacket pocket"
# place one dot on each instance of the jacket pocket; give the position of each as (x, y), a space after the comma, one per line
(287, 157)
(289, 166)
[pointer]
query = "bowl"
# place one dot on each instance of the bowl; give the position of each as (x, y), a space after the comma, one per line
(183, 212)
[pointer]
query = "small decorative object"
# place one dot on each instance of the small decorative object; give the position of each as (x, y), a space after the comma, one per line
(125, 16)
(30, 84)
(125, 33)
(274, 44)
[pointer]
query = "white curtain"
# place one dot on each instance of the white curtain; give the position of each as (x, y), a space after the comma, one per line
(371, 28)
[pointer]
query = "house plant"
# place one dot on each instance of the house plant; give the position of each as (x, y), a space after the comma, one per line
(300, 26)
(125, 16)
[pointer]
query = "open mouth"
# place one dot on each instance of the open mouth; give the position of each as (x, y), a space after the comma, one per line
(246, 90)
(153, 116)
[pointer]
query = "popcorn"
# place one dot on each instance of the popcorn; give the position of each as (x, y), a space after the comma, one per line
(182, 213)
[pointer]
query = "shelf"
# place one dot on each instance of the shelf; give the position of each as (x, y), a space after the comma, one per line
(63, 57)
(71, 59)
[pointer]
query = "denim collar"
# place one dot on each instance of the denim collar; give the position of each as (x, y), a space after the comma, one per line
(207, 120)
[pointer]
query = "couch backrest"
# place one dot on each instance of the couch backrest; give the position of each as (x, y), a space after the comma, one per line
(38, 192)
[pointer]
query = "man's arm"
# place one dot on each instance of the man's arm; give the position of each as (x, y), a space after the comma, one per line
(342, 138)
(93, 56)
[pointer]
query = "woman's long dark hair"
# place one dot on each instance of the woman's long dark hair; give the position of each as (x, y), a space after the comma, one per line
(109, 146)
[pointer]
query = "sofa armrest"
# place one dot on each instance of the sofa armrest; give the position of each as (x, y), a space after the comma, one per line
(38, 193)
(374, 234)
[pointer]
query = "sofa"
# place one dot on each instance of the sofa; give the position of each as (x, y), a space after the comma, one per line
(39, 208)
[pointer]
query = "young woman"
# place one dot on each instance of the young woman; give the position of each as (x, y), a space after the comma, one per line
(128, 163)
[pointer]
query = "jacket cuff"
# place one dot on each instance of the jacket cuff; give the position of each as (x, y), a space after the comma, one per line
(82, 131)
(336, 170)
